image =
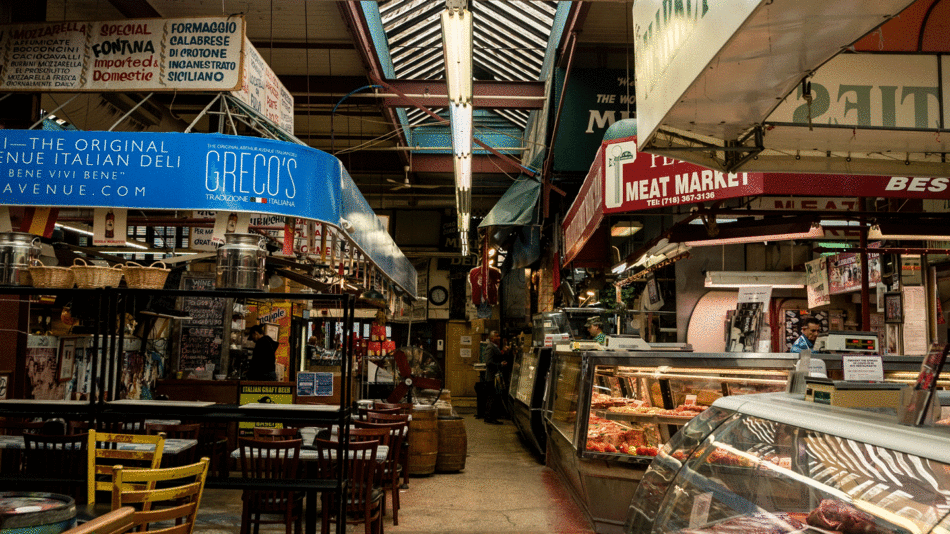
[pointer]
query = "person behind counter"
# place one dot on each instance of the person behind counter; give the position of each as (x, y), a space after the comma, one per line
(264, 358)
(595, 327)
(811, 327)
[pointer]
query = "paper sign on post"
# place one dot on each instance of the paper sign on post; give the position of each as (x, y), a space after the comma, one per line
(755, 294)
(863, 368)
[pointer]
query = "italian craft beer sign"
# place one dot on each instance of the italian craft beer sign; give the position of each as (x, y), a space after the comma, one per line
(201, 54)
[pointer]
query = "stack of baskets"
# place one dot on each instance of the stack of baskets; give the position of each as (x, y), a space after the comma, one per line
(93, 276)
(151, 277)
(51, 277)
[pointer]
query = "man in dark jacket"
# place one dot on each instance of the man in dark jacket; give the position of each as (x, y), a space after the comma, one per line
(263, 364)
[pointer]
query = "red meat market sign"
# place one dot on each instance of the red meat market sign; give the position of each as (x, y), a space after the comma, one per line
(638, 181)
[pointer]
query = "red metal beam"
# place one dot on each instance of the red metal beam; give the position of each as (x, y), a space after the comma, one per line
(481, 164)
(353, 17)
(488, 94)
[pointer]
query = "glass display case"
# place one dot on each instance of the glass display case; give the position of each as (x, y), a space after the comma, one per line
(526, 395)
(608, 413)
(776, 464)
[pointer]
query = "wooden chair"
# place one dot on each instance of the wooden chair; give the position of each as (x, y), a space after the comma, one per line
(275, 434)
(126, 426)
(270, 460)
(57, 457)
(364, 412)
(363, 499)
(405, 408)
(79, 427)
(11, 461)
(115, 522)
(176, 499)
(398, 428)
(183, 431)
(104, 452)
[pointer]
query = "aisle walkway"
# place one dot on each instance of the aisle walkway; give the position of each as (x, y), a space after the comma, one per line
(503, 488)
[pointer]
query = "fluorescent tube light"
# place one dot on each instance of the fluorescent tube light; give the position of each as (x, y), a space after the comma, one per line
(625, 228)
(460, 116)
(457, 49)
(737, 279)
(815, 232)
(130, 244)
(904, 231)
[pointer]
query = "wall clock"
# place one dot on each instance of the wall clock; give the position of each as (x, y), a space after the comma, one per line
(438, 295)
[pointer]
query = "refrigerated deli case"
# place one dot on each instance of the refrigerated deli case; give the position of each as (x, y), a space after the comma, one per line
(526, 395)
(608, 413)
(774, 464)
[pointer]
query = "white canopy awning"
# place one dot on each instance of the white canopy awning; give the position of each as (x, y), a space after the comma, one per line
(716, 85)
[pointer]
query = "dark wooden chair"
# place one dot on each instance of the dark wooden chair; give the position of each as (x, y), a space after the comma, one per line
(363, 412)
(364, 502)
(57, 457)
(11, 461)
(270, 460)
(275, 434)
(405, 408)
(180, 431)
(391, 469)
(125, 426)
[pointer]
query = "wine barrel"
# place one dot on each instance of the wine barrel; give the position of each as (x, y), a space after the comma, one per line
(453, 445)
(423, 440)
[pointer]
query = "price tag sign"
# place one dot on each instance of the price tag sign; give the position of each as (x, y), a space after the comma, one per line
(817, 368)
(700, 512)
(863, 368)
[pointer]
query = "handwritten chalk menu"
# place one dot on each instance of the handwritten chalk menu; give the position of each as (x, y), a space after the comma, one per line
(202, 336)
(136, 54)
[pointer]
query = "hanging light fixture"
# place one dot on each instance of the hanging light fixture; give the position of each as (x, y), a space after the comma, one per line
(457, 49)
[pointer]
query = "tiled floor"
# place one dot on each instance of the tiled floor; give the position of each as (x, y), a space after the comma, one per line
(503, 488)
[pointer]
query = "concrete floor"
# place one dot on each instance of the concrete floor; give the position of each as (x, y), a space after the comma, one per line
(503, 488)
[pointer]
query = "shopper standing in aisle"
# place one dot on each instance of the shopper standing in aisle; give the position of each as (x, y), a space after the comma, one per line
(595, 327)
(811, 327)
(493, 366)
(264, 358)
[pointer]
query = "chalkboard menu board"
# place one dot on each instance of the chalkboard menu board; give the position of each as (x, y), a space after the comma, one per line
(202, 336)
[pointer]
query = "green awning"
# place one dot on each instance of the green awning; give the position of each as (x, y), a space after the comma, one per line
(518, 206)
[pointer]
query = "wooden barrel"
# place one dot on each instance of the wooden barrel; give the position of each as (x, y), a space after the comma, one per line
(423, 440)
(36, 513)
(453, 444)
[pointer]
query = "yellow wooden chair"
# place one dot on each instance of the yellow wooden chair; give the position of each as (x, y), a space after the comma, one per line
(177, 499)
(105, 452)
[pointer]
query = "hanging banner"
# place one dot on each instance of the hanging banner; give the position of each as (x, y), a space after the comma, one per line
(209, 172)
(586, 212)
(262, 91)
(816, 282)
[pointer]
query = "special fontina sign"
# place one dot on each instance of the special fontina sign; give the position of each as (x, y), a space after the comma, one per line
(190, 54)
(144, 55)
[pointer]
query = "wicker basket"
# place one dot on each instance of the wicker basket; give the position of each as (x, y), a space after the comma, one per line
(93, 276)
(52, 277)
(139, 277)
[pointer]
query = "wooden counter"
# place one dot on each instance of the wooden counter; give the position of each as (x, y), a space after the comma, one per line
(217, 391)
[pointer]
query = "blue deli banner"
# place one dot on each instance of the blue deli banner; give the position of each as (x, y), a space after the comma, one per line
(175, 171)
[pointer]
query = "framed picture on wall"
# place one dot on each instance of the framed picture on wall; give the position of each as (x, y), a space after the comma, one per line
(67, 359)
(893, 308)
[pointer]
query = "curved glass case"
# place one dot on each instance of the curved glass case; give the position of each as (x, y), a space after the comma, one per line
(776, 464)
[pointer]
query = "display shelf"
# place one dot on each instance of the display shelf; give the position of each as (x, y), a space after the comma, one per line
(805, 468)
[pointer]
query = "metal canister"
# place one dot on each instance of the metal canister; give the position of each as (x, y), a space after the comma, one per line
(241, 262)
(18, 251)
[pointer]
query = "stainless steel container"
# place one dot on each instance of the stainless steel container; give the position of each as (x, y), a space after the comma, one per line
(241, 262)
(18, 251)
